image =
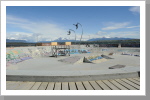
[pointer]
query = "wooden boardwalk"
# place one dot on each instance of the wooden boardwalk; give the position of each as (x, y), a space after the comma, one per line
(114, 84)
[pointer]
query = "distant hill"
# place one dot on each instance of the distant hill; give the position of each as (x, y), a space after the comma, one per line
(93, 39)
(60, 39)
(11, 40)
(115, 38)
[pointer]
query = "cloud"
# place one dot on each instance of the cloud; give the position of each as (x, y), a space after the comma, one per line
(132, 26)
(129, 34)
(135, 9)
(100, 32)
(41, 31)
(48, 31)
(32, 37)
(14, 20)
(45, 31)
(126, 34)
(19, 36)
(113, 26)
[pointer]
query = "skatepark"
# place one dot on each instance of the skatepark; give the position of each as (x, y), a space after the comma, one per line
(83, 64)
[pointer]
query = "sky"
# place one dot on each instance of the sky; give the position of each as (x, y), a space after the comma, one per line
(46, 23)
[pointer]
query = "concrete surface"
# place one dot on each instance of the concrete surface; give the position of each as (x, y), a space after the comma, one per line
(51, 69)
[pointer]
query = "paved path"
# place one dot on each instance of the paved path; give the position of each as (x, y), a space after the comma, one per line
(112, 84)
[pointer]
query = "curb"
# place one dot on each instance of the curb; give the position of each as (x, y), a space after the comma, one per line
(71, 78)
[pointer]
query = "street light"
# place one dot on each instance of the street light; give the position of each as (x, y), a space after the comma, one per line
(69, 32)
(77, 28)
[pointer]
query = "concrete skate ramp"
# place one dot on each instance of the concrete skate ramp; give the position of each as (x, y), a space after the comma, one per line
(106, 57)
(41, 67)
(117, 66)
(20, 54)
(94, 59)
(72, 60)
(121, 49)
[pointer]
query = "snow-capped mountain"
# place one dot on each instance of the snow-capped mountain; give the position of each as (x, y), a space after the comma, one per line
(110, 38)
(13, 40)
(60, 39)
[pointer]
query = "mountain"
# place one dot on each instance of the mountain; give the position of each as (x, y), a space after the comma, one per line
(57, 41)
(112, 38)
(63, 40)
(60, 39)
(12, 40)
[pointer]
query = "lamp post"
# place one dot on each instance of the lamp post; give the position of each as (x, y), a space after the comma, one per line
(69, 32)
(77, 28)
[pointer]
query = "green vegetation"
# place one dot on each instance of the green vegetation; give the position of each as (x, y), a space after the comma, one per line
(106, 42)
(17, 44)
(135, 41)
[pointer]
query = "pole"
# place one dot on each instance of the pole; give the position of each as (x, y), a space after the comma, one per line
(75, 34)
(81, 34)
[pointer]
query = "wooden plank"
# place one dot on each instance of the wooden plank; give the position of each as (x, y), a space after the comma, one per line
(36, 86)
(103, 86)
(118, 85)
(80, 86)
(137, 79)
(57, 86)
(134, 81)
(21, 86)
(50, 86)
(14, 85)
(10, 83)
(125, 84)
(72, 86)
(131, 83)
(27, 86)
(87, 85)
(95, 85)
(65, 86)
(43, 86)
(110, 85)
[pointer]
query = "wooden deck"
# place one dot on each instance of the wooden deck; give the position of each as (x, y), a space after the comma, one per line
(114, 84)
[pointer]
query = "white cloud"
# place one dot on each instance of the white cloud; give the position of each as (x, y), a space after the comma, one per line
(132, 26)
(129, 34)
(20, 36)
(46, 30)
(42, 31)
(113, 26)
(135, 9)
(12, 19)
(125, 34)
(101, 32)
